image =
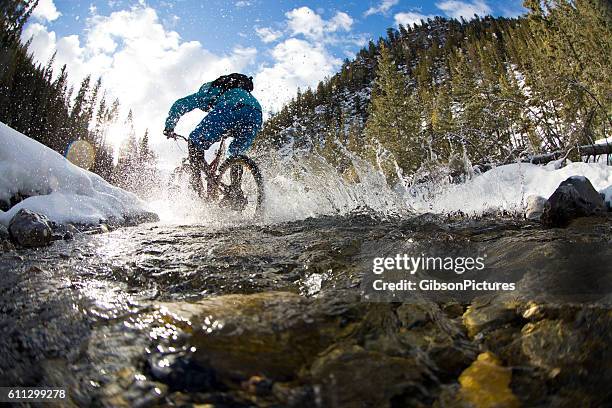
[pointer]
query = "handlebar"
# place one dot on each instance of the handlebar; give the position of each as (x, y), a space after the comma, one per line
(177, 136)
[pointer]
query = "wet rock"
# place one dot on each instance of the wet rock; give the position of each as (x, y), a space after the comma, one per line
(6, 246)
(429, 328)
(536, 206)
(181, 373)
(488, 315)
(4, 233)
(141, 218)
(355, 377)
(258, 385)
(411, 315)
(131, 389)
(271, 334)
(291, 395)
(486, 384)
(574, 198)
(572, 348)
(453, 309)
(29, 229)
(64, 232)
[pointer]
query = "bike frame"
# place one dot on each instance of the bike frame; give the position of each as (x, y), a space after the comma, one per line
(210, 170)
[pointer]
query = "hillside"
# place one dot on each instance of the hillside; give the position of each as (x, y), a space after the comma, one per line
(489, 90)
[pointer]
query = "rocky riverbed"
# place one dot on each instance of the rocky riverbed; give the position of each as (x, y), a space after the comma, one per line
(274, 316)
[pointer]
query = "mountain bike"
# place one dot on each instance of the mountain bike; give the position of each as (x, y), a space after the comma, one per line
(235, 183)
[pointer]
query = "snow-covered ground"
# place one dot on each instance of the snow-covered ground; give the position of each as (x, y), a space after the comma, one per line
(57, 188)
(507, 187)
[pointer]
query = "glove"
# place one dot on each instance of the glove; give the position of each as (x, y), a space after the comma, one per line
(169, 133)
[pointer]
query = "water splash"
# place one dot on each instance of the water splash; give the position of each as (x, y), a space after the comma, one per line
(302, 184)
(298, 184)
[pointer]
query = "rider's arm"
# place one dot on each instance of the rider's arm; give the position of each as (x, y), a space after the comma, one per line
(201, 99)
(181, 107)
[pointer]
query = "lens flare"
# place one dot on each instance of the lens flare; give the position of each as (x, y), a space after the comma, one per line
(81, 153)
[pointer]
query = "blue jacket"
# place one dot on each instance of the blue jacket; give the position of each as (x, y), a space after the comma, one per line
(206, 99)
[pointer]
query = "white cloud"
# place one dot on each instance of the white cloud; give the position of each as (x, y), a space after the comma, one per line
(410, 18)
(340, 22)
(457, 9)
(298, 63)
(267, 34)
(46, 11)
(311, 25)
(303, 59)
(243, 3)
(382, 8)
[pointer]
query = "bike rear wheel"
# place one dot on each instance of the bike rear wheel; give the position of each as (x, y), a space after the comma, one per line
(241, 187)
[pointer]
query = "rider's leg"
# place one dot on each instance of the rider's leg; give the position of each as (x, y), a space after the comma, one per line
(196, 156)
(214, 125)
(246, 126)
(208, 131)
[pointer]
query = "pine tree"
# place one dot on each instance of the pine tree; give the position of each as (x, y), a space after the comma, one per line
(393, 122)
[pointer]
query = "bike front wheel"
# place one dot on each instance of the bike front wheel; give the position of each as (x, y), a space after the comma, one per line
(241, 186)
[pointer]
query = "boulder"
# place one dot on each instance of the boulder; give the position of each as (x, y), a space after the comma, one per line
(350, 376)
(574, 198)
(536, 205)
(272, 334)
(30, 229)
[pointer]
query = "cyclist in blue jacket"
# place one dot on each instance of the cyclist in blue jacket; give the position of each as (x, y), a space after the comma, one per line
(232, 110)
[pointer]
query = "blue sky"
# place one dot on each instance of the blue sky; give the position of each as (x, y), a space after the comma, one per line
(224, 24)
(151, 52)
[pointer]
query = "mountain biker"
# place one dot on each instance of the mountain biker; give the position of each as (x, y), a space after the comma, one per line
(232, 111)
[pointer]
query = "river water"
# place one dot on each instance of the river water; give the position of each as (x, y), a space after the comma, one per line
(203, 309)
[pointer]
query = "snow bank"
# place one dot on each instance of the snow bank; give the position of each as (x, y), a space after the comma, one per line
(57, 188)
(507, 187)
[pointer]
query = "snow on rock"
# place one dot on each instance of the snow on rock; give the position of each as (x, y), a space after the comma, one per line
(535, 207)
(606, 194)
(58, 189)
(508, 187)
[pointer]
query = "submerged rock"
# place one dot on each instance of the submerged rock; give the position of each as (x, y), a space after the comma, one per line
(180, 372)
(574, 346)
(272, 334)
(486, 384)
(30, 229)
(574, 198)
(131, 389)
(355, 377)
(481, 317)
